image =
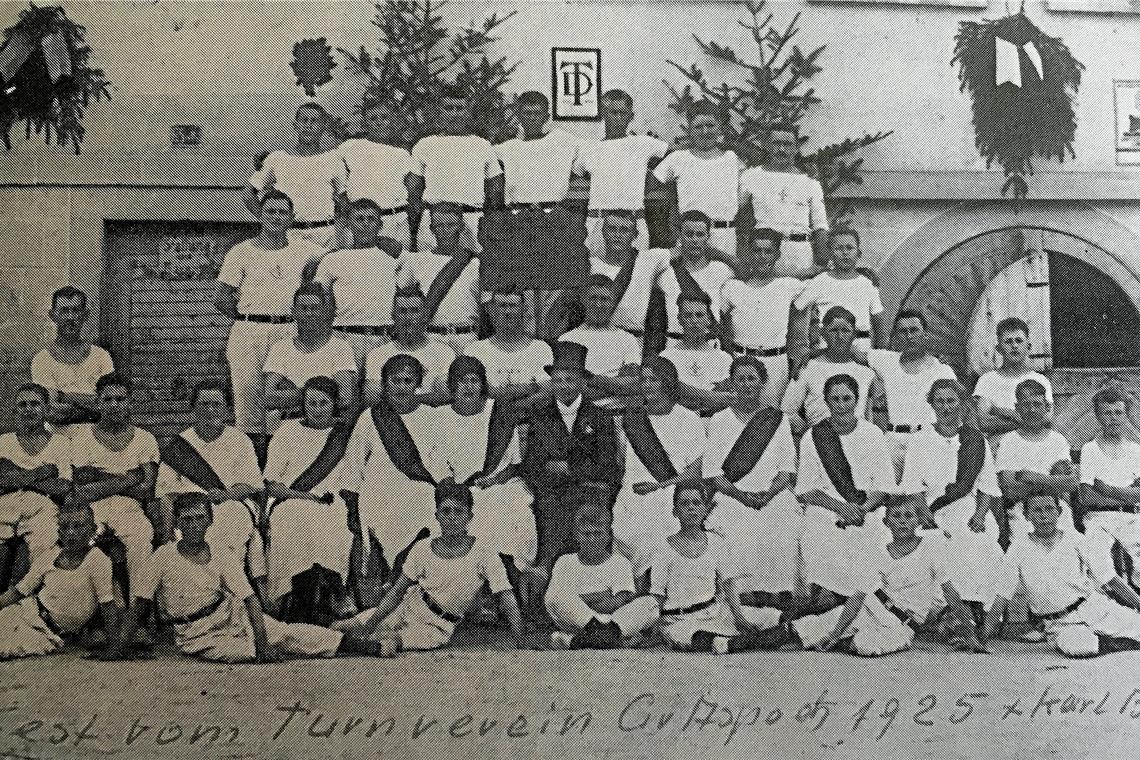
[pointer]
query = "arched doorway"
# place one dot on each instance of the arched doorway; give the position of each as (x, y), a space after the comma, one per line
(1081, 302)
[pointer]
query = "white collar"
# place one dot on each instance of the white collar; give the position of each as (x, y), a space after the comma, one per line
(571, 407)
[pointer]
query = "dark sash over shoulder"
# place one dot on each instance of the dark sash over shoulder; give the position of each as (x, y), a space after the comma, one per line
(752, 443)
(624, 276)
(685, 280)
(443, 281)
(327, 459)
(644, 441)
(181, 456)
(399, 444)
(835, 463)
(500, 429)
(971, 458)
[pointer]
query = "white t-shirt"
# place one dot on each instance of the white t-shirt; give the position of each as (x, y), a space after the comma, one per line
(647, 269)
(435, 356)
(906, 392)
(298, 367)
(866, 450)
(607, 350)
(57, 452)
(538, 171)
(454, 583)
(682, 436)
(570, 577)
(454, 168)
(461, 304)
(310, 181)
(711, 185)
(266, 280)
(914, 582)
(807, 389)
(684, 581)
(376, 171)
(788, 203)
(231, 456)
(725, 428)
(760, 315)
(88, 451)
(71, 378)
(617, 170)
(520, 366)
(70, 596)
(932, 464)
(363, 282)
(701, 368)
(858, 295)
(711, 279)
(1016, 452)
(1001, 391)
(1054, 578)
(1119, 471)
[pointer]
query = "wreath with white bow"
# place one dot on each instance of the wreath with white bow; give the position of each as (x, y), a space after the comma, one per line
(1022, 82)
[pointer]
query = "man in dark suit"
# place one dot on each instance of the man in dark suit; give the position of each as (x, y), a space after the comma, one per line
(571, 447)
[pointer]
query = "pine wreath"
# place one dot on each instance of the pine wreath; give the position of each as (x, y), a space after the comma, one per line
(49, 81)
(1014, 124)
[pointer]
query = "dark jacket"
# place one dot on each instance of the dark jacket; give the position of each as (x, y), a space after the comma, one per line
(590, 448)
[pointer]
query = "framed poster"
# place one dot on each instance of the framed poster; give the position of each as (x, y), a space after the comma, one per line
(575, 83)
(1127, 97)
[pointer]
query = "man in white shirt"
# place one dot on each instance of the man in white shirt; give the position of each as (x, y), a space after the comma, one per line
(844, 285)
(70, 365)
(645, 270)
(693, 270)
(455, 166)
(313, 178)
(1110, 480)
(449, 277)
(903, 383)
(785, 199)
(994, 392)
(608, 349)
(362, 280)
(409, 336)
(1035, 459)
(617, 167)
(758, 314)
(380, 171)
(514, 360)
(702, 367)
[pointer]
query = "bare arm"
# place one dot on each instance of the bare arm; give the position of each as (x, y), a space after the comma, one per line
(391, 600)
(281, 491)
(510, 610)
(257, 622)
(225, 300)
(996, 420)
(851, 608)
(415, 185)
(251, 200)
(92, 491)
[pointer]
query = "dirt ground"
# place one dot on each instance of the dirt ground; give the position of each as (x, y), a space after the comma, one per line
(482, 700)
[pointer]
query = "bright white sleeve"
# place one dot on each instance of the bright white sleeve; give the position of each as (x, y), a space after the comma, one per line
(233, 268)
(665, 170)
(817, 209)
(419, 162)
(491, 165)
(1009, 576)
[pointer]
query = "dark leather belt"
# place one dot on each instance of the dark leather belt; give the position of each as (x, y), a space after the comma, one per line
(312, 225)
(206, 611)
(675, 335)
(692, 608)
(365, 330)
(598, 213)
(1062, 613)
(905, 428)
(390, 211)
(264, 318)
(764, 353)
(451, 329)
(432, 605)
(717, 224)
(797, 237)
(546, 206)
(1129, 509)
(898, 612)
(46, 617)
(862, 333)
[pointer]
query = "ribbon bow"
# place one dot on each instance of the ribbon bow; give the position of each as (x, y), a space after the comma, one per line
(1007, 63)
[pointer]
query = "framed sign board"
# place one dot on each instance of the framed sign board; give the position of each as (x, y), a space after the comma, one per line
(575, 83)
(1127, 98)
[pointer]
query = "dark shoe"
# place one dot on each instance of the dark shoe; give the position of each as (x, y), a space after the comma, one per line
(702, 641)
(597, 635)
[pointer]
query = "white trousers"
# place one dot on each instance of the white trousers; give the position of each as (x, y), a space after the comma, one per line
(1076, 633)
(1105, 528)
(875, 630)
(246, 350)
(678, 630)
(571, 614)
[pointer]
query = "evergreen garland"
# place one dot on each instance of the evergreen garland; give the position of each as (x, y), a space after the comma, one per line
(1012, 124)
(53, 110)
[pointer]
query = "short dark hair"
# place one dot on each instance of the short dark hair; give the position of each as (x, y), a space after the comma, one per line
(275, 194)
(694, 296)
(184, 501)
(1030, 387)
(210, 384)
(399, 362)
(35, 388)
(850, 232)
(466, 365)
(693, 215)
(911, 314)
(841, 379)
(765, 233)
(1011, 324)
(67, 291)
(699, 485)
(456, 492)
(665, 370)
(532, 98)
(313, 288)
(616, 94)
(1110, 394)
(364, 203)
(114, 378)
(705, 108)
(312, 105)
(838, 312)
(446, 207)
(325, 385)
(409, 291)
(599, 280)
(590, 512)
(748, 360)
